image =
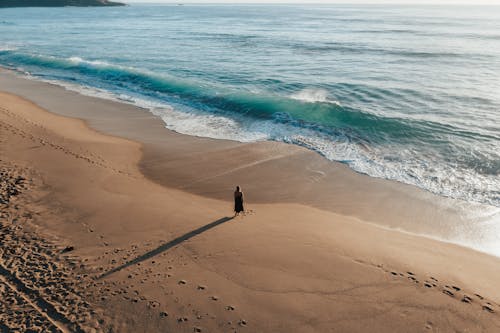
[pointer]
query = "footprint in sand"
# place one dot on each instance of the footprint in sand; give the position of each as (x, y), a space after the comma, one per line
(413, 279)
(488, 308)
(153, 304)
(467, 299)
(449, 293)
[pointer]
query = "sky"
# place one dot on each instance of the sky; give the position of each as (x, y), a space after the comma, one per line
(437, 2)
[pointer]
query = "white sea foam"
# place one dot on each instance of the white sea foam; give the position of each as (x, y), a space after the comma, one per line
(8, 48)
(195, 123)
(78, 60)
(310, 95)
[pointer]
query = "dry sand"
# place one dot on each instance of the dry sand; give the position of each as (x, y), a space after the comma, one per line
(89, 243)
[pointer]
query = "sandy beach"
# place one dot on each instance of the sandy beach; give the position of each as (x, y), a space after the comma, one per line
(111, 223)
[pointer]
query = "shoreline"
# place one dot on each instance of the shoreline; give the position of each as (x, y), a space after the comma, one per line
(304, 176)
(178, 262)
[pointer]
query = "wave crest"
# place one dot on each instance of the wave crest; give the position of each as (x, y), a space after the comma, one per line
(311, 95)
(7, 48)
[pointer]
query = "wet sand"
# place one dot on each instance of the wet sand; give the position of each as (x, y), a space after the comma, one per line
(131, 231)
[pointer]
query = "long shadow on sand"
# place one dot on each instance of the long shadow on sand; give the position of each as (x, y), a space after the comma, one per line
(167, 246)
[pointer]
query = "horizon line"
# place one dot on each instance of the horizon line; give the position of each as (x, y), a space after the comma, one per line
(430, 3)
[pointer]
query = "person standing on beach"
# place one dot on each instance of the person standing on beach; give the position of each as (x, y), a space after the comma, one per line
(238, 201)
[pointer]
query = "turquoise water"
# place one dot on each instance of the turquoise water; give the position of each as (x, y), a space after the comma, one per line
(404, 93)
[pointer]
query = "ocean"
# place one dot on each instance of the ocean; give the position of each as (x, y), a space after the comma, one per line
(407, 93)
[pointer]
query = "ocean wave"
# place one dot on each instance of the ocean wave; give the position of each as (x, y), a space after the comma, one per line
(358, 49)
(318, 108)
(306, 107)
(429, 33)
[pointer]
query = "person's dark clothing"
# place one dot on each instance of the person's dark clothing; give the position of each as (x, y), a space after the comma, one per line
(238, 202)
